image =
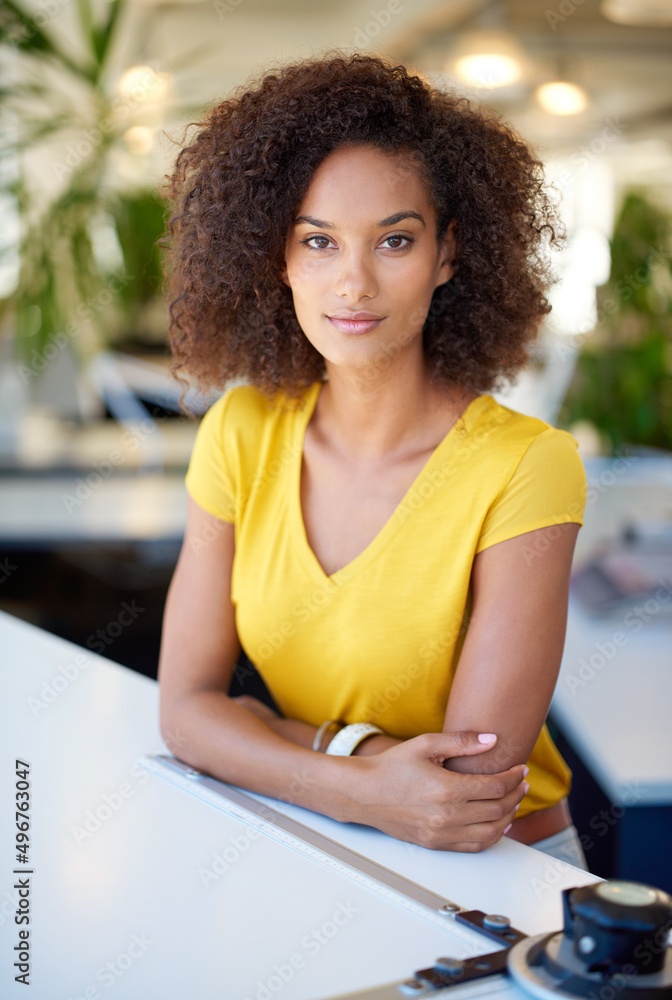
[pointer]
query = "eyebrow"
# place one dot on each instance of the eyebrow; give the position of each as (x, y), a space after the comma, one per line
(391, 220)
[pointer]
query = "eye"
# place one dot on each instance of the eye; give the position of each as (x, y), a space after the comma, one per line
(399, 236)
(309, 242)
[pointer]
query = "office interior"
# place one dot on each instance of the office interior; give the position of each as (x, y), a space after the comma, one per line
(93, 443)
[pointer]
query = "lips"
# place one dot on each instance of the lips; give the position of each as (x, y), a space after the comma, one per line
(355, 314)
(359, 323)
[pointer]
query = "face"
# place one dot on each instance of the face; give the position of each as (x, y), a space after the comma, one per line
(362, 258)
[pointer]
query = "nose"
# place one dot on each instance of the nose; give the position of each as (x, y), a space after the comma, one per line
(356, 278)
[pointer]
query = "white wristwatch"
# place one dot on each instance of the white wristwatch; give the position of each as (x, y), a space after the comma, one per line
(345, 741)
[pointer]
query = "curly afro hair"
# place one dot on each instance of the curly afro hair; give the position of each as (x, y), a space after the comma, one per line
(239, 180)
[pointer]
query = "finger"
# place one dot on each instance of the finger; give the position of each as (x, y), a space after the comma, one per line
(489, 815)
(441, 746)
(484, 835)
(477, 836)
(502, 811)
(486, 820)
(490, 786)
(470, 838)
(465, 846)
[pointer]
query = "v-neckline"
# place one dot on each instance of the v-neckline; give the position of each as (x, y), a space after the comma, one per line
(393, 523)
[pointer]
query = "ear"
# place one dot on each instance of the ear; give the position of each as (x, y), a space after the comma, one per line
(448, 254)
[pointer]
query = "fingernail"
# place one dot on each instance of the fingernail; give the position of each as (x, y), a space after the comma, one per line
(526, 771)
(526, 786)
(508, 827)
(486, 737)
(518, 807)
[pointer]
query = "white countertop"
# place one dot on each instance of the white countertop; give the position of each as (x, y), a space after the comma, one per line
(119, 902)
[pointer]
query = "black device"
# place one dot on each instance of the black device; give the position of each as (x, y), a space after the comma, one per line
(615, 945)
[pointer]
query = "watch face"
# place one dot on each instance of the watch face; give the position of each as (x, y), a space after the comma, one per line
(627, 893)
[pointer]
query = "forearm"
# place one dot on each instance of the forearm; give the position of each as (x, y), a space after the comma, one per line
(209, 731)
(303, 734)
(399, 790)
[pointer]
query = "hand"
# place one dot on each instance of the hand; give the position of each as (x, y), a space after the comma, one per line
(407, 793)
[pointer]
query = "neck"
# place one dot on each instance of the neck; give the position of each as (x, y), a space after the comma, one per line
(387, 415)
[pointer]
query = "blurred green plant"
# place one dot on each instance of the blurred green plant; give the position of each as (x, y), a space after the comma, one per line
(87, 255)
(623, 378)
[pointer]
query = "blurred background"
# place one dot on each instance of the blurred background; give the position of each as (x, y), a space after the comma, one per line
(93, 447)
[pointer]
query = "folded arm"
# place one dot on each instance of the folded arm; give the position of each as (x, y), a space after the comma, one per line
(404, 790)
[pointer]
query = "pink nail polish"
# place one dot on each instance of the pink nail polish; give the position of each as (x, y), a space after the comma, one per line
(526, 771)
(508, 827)
(526, 786)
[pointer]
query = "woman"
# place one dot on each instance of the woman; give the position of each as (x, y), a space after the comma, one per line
(363, 251)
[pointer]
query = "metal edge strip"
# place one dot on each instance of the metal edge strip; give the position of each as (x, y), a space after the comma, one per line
(326, 852)
(395, 990)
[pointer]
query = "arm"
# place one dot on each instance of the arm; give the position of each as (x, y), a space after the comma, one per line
(303, 733)
(512, 651)
(404, 791)
(199, 650)
(511, 655)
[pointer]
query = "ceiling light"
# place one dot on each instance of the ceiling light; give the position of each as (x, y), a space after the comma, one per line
(487, 59)
(561, 98)
(488, 70)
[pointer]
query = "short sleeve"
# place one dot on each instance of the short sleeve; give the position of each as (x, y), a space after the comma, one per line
(210, 478)
(547, 487)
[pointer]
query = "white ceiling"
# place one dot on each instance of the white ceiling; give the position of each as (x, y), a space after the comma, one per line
(211, 47)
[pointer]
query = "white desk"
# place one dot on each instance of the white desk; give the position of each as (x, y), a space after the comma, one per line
(129, 892)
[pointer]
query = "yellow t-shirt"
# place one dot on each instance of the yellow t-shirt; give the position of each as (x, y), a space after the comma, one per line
(379, 640)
